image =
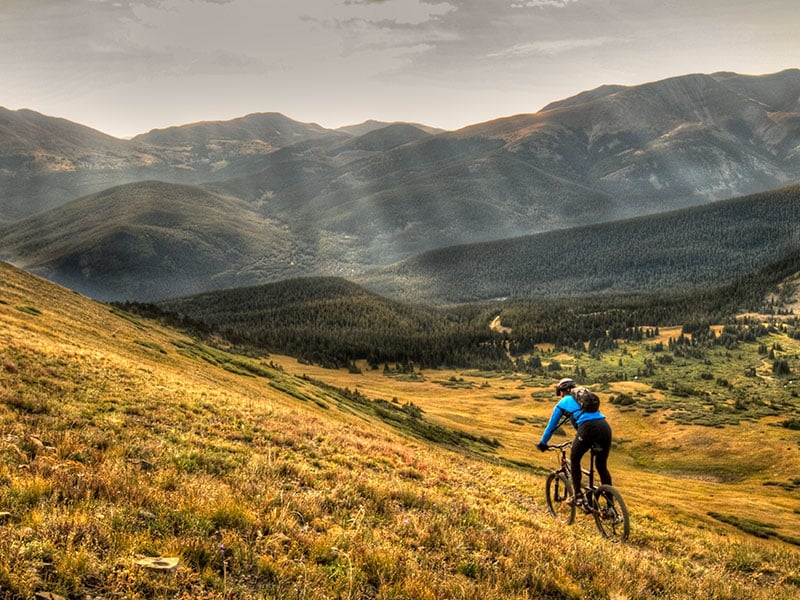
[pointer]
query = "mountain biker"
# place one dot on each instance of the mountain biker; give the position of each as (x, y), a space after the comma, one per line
(592, 429)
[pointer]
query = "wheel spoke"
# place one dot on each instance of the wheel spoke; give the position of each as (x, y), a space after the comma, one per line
(559, 493)
(611, 514)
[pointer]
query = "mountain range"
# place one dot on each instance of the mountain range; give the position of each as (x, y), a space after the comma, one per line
(261, 198)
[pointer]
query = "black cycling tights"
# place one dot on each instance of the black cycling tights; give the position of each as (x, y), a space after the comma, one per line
(591, 433)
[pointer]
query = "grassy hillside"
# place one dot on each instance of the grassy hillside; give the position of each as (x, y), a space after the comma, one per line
(123, 444)
(694, 247)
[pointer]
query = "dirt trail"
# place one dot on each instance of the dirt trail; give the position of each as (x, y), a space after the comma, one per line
(497, 326)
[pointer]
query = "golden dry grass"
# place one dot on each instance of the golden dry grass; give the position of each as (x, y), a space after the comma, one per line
(121, 440)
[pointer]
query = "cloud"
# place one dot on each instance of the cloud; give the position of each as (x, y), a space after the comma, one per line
(540, 3)
(413, 12)
(551, 47)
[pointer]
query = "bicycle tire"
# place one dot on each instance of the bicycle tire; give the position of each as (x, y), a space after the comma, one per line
(611, 513)
(558, 491)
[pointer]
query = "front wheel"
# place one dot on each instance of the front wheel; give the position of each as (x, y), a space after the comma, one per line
(559, 495)
(610, 513)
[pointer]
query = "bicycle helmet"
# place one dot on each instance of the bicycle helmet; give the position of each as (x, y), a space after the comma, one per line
(565, 385)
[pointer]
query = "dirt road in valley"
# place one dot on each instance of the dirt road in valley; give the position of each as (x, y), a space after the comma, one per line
(497, 326)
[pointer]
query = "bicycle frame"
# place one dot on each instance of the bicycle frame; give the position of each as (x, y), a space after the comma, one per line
(566, 466)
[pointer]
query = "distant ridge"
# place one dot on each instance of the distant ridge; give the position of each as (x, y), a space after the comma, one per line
(385, 138)
(583, 97)
(691, 248)
(273, 129)
(372, 125)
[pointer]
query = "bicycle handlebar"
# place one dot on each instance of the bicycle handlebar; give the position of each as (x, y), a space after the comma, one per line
(560, 446)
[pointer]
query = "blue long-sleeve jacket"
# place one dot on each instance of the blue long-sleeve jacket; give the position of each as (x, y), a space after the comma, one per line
(568, 407)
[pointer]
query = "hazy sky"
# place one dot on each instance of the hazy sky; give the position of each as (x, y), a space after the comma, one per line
(127, 66)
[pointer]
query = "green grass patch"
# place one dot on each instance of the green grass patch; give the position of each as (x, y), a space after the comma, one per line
(455, 383)
(150, 345)
(130, 317)
(755, 528)
(507, 396)
(225, 360)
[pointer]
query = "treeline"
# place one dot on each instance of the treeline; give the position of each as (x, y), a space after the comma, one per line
(600, 319)
(333, 322)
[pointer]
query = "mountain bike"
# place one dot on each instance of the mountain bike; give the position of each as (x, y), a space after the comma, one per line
(604, 502)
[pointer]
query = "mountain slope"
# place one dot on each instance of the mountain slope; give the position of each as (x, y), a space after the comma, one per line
(386, 138)
(42, 158)
(333, 322)
(662, 145)
(151, 240)
(124, 441)
(54, 143)
(216, 150)
(674, 142)
(693, 247)
(432, 193)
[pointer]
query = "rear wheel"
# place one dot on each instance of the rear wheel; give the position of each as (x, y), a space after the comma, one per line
(559, 495)
(610, 513)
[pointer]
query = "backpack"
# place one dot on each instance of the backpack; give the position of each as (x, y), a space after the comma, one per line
(588, 401)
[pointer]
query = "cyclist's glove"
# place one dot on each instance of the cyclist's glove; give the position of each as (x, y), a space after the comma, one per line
(541, 446)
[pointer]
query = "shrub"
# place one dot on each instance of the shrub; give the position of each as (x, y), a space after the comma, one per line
(781, 367)
(623, 399)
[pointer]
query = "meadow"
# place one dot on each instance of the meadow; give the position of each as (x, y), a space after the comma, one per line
(137, 462)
